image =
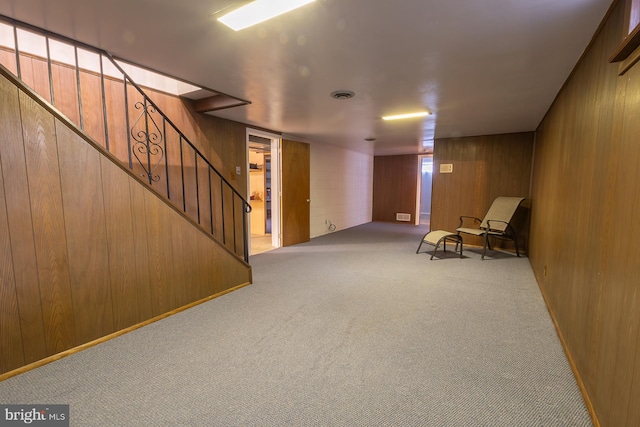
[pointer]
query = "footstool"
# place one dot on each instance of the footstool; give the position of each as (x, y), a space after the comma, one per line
(436, 237)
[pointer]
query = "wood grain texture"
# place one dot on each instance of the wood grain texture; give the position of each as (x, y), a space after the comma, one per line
(35, 74)
(92, 107)
(65, 91)
(119, 229)
(484, 168)
(94, 249)
(18, 205)
(10, 334)
(116, 119)
(83, 205)
(296, 192)
(160, 251)
(585, 191)
(8, 59)
(395, 185)
(141, 249)
(48, 225)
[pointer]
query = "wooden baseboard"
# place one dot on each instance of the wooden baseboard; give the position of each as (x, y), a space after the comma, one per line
(100, 340)
(576, 373)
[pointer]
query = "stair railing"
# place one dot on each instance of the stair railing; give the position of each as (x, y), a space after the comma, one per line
(156, 150)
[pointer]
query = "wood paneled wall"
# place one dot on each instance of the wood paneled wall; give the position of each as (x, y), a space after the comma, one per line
(484, 167)
(183, 176)
(85, 248)
(222, 141)
(584, 224)
(395, 185)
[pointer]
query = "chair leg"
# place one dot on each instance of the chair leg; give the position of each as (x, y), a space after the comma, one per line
(484, 246)
(459, 240)
(435, 249)
(515, 242)
(421, 242)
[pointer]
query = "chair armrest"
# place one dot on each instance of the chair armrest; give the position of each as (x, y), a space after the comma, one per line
(478, 220)
(490, 228)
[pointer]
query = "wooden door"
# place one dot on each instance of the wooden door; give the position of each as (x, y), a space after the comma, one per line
(295, 193)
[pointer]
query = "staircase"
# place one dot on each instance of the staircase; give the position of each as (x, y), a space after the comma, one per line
(96, 93)
(103, 228)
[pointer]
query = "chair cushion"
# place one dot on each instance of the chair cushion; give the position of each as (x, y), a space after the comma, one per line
(474, 231)
(433, 237)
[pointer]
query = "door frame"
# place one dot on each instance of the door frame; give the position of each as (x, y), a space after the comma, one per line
(419, 192)
(276, 192)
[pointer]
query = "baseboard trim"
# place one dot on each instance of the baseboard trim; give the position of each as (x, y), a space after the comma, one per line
(113, 335)
(574, 368)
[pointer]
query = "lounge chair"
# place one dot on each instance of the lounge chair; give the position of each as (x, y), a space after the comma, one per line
(496, 222)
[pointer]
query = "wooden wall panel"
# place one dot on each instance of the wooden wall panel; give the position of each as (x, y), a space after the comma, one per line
(484, 168)
(83, 205)
(395, 185)
(620, 314)
(116, 117)
(18, 205)
(65, 91)
(92, 106)
(35, 74)
(141, 250)
(85, 248)
(182, 239)
(204, 194)
(160, 249)
(218, 215)
(48, 225)
(586, 192)
(10, 334)
(223, 142)
(119, 224)
(8, 59)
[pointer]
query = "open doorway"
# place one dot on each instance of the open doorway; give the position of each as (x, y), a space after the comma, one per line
(263, 184)
(426, 184)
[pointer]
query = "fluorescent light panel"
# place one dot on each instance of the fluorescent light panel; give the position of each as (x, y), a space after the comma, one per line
(406, 116)
(259, 11)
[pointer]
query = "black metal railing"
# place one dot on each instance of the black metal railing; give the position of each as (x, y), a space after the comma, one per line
(115, 111)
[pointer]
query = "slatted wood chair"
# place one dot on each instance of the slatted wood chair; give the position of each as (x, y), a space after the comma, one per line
(495, 224)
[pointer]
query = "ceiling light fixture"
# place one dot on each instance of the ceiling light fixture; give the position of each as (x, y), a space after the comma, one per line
(259, 11)
(407, 116)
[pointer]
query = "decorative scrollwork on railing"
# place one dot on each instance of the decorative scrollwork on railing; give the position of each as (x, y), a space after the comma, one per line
(147, 148)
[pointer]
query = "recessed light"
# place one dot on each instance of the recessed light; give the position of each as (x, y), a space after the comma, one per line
(407, 115)
(259, 11)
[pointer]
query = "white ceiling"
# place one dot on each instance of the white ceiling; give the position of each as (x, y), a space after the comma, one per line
(480, 66)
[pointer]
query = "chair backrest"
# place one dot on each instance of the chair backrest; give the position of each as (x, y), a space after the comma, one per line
(502, 209)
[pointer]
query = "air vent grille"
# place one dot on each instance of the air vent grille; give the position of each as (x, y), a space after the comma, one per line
(342, 94)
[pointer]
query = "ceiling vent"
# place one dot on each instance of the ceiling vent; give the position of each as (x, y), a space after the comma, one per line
(342, 94)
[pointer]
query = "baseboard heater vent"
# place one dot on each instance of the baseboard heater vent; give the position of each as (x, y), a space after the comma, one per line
(403, 217)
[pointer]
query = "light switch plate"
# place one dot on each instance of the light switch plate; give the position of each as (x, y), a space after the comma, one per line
(446, 168)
